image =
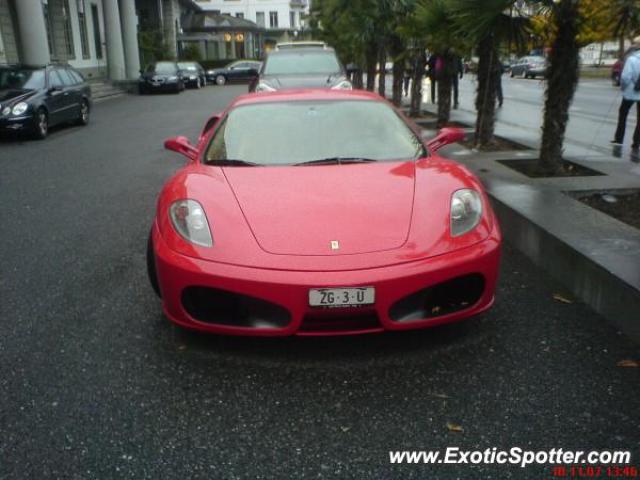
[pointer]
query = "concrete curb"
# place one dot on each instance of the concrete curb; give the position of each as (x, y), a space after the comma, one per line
(594, 278)
(593, 255)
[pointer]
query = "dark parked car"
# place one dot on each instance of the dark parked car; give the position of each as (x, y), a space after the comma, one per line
(32, 99)
(529, 67)
(301, 68)
(239, 71)
(193, 74)
(161, 77)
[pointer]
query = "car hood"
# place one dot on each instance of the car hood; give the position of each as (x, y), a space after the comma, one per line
(281, 82)
(14, 96)
(302, 210)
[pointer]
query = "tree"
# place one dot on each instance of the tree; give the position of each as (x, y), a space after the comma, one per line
(488, 23)
(350, 27)
(437, 19)
(562, 80)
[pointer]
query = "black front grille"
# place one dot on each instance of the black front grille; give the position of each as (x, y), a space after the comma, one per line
(440, 299)
(349, 322)
(220, 307)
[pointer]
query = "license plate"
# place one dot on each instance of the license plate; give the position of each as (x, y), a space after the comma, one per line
(341, 297)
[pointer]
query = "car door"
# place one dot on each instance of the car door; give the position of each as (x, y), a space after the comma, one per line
(72, 94)
(238, 71)
(55, 100)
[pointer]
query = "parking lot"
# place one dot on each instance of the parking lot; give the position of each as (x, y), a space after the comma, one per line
(97, 384)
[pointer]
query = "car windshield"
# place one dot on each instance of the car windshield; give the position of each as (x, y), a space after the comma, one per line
(188, 66)
(21, 79)
(163, 68)
(294, 62)
(302, 132)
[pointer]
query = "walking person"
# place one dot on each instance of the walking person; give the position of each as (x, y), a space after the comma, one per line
(458, 74)
(499, 94)
(630, 86)
(408, 75)
(435, 65)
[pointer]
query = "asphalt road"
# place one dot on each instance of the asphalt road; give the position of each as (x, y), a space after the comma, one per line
(593, 114)
(96, 384)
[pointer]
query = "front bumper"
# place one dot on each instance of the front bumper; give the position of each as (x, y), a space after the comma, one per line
(16, 124)
(289, 291)
(160, 86)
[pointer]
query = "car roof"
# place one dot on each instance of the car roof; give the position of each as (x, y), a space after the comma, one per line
(299, 50)
(307, 94)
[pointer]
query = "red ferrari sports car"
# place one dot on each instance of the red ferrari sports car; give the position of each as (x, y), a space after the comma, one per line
(320, 212)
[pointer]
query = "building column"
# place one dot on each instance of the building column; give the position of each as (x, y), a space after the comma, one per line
(33, 32)
(129, 21)
(113, 32)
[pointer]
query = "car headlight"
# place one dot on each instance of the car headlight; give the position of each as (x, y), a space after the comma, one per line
(466, 211)
(264, 87)
(20, 108)
(343, 85)
(190, 221)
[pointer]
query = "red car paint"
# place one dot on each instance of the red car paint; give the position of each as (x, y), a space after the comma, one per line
(273, 228)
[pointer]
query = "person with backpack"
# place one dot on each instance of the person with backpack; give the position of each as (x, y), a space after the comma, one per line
(630, 86)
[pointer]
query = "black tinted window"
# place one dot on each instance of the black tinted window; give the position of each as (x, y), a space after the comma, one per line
(165, 68)
(66, 77)
(11, 78)
(54, 79)
(296, 62)
(76, 75)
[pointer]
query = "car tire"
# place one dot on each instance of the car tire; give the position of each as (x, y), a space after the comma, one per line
(204, 81)
(512, 74)
(151, 268)
(198, 83)
(524, 74)
(41, 125)
(142, 90)
(221, 80)
(83, 119)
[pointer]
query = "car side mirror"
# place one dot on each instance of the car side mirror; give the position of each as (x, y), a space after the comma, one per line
(445, 137)
(182, 146)
(54, 90)
(253, 72)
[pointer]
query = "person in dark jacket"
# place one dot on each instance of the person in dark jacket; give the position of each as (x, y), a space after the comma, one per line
(435, 65)
(459, 73)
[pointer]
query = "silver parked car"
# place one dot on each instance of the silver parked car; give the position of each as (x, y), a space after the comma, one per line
(529, 67)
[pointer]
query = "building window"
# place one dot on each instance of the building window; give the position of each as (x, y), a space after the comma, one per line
(292, 19)
(239, 15)
(260, 19)
(84, 36)
(68, 32)
(45, 12)
(273, 19)
(96, 30)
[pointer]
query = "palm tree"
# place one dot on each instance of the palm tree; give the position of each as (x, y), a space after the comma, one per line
(562, 80)
(627, 13)
(488, 23)
(349, 27)
(436, 18)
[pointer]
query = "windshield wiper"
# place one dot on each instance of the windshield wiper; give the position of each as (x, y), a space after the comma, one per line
(230, 162)
(337, 160)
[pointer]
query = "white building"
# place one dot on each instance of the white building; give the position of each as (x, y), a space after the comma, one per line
(98, 37)
(281, 19)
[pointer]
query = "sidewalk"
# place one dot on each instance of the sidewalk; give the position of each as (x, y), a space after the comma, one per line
(594, 255)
